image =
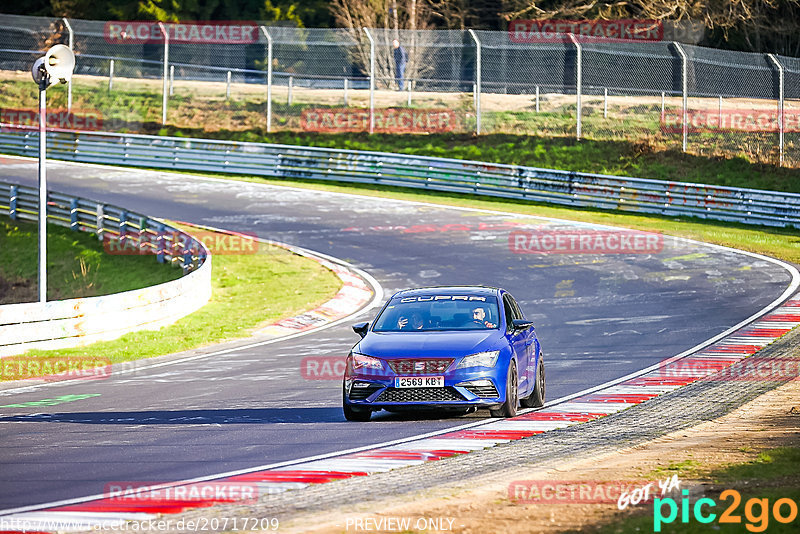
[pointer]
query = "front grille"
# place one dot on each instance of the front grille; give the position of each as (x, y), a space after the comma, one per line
(363, 393)
(484, 392)
(420, 366)
(419, 395)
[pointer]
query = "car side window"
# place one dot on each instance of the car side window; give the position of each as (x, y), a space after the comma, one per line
(511, 313)
(517, 309)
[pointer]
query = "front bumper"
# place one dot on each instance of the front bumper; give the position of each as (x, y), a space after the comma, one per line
(463, 388)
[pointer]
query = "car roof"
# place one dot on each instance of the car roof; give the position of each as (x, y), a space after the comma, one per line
(461, 290)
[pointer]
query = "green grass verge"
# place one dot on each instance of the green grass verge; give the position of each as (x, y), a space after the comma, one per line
(627, 143)
(76, 265)
(772, 476)
(248, 291)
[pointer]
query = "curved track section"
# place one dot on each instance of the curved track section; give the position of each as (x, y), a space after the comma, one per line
(600, 317)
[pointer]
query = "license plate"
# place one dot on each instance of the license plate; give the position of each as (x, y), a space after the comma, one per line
(419, 382)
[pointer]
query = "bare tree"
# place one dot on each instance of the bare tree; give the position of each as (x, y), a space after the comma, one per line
(760, 25)
(389, 19)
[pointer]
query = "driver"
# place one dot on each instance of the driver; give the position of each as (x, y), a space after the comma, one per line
(479, 318)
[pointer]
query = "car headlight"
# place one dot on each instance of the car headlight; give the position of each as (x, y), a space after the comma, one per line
(479, 359)
(362, 361)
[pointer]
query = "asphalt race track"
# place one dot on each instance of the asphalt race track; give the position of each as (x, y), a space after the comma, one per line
(599, 317)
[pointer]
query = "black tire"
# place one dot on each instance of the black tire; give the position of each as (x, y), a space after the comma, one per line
(509, 407)
(352, 413)
(536, 398)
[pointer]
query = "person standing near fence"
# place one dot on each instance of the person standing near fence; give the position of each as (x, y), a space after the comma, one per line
(400, 60)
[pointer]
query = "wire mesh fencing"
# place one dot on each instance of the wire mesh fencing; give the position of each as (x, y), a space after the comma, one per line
(243, 75)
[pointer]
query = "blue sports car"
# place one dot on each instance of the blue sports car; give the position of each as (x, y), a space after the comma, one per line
(458, 348)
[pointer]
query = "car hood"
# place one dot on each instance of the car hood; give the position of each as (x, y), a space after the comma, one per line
(427, 344)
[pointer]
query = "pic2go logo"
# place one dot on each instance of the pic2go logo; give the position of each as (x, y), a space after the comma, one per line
(756, 511)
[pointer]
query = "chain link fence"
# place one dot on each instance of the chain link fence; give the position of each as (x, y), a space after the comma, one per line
(700, 100)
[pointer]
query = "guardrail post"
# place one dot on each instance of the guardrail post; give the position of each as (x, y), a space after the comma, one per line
(781, 119)
(100, 216)
(269, 77)
(111, 76)
(685, 93)
(371, 81)
(69, 81)
(164, 88)
(187, 254)
(477, 81)
(160, 245)
(578, 82)
(73, 215)
(12, 203)
(123, 227)
(142, 232)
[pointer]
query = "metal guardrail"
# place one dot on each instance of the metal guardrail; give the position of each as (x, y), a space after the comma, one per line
(748, 206)
(120, 230)
(74, 322)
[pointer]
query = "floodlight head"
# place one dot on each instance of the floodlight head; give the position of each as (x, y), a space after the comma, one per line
(37, 71)
(59, 62)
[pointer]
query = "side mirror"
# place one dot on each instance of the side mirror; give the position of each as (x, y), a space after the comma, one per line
(361, 329)
(521, 324)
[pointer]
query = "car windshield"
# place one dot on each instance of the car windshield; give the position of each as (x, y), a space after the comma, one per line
(422, 313)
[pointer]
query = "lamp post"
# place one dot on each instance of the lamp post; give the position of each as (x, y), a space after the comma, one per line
(57, 64)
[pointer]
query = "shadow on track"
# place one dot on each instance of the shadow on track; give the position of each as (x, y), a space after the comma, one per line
(228, 417)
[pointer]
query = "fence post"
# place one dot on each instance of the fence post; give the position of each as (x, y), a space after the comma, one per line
(578, 82)
(171, 80)
(685, 93)
(371, 81)
(166, 70)
(12, 203)
(269, 78)
(477, 81)
(111, 76)
(605, 102)
(662, 107)
(228, 86)
(781, 119)
(345, 92)
(69, 81)
(408, 84)
(537, 99)
(289, 89)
